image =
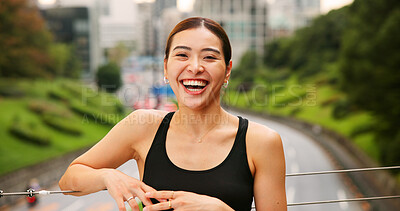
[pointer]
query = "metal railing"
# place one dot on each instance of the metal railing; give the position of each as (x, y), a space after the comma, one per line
(32, 192)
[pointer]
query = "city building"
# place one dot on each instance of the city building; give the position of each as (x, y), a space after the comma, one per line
(165, 16)
(118, 24)
(146, 32)
(75, 22)
(245, 22)
(285, 16)
(156, 20)
(107, 23)
(71, 25)
(168, 19)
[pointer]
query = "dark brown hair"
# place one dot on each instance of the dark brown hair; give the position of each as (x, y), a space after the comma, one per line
(197, 22)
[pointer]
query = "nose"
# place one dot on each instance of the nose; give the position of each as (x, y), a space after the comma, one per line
(195, 66)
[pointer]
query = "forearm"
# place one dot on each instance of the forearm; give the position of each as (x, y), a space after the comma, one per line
(224, 207)
(84, 179)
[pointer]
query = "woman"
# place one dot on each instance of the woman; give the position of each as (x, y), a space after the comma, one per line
(198, 158)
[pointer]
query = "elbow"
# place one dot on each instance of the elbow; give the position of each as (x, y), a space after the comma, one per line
(63, 184)
(66, 183)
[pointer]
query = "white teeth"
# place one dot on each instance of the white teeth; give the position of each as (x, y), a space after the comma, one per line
(194, 82)
(193, 90)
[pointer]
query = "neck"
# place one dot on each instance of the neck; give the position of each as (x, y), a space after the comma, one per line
(199, 122)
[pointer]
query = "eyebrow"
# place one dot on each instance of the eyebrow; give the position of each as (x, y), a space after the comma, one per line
(204, 49)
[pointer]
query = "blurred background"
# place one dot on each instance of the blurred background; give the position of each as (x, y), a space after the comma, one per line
(71, 69)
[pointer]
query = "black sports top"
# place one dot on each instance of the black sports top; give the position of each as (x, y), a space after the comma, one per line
(231, 181)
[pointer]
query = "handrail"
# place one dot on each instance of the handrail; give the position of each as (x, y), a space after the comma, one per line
(343, 171)
(32, 192)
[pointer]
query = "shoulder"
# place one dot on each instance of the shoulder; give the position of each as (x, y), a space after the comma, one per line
(267, 163)
(145, 117)
(141, 122)
(263, 143)
(261, 135)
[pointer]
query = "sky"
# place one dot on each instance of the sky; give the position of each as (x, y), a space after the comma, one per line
(327, 5)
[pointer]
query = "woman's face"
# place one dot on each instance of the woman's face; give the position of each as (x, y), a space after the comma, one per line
(196, 68)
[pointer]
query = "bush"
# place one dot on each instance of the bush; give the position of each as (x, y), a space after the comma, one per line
(365, 127)
(73, 88)
(7, 91)
(330, 101)
(291, 100)
(58, 95)
(295, 111)
(45, 107)
(62, 125)
(29, 133)
(109, 77)
(341, 109)
(98, 116)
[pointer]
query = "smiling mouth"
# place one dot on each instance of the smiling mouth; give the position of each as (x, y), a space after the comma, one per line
(194, 85)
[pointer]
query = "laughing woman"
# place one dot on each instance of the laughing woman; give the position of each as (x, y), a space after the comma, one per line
(197, 158)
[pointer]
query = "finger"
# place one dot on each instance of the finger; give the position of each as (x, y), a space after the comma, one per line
(120, 204)
(145, 200)
(133, 204)
(147, 188)
(161, 194)
(159, 206)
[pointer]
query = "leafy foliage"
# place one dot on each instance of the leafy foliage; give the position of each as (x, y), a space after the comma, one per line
(22, 121)
(370, 64)
(311, 47)
(245, 71)
(24, 41)
(64, 61)
(118, 53)
(109, 77)
(28, 132)
(27, 48)
(62, 124)
(356, 50)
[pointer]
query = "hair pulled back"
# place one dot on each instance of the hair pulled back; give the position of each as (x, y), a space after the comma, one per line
(212, 26)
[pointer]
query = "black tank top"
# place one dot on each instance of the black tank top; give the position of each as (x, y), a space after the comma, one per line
(231, 181)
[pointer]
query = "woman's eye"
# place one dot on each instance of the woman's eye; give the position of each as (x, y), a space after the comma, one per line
(181, 55)
(210, 57)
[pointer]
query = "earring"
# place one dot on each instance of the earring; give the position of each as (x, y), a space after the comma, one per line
(225, 85)
(166, 81)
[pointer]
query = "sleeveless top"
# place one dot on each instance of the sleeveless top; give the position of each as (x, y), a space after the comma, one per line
(231, 181)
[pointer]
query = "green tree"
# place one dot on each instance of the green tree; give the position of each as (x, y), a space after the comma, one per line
(245, 72)
(64, 61)
(311, 47)
(109, 77)
(118, 53)
(24, 40)
(370, 68)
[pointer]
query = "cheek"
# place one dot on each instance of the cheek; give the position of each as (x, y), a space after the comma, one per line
(219, 75)
(173, 70)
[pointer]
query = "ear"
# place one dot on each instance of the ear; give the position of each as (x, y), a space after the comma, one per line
(165, 68)
(228, 71)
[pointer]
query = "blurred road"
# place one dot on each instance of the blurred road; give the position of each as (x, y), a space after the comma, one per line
(302, 155)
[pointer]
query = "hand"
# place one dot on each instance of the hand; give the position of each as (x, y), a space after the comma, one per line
(181, 200)
(123, 187)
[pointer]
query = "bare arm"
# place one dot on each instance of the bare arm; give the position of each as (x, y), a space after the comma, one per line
(266, 149)
(95, 170)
